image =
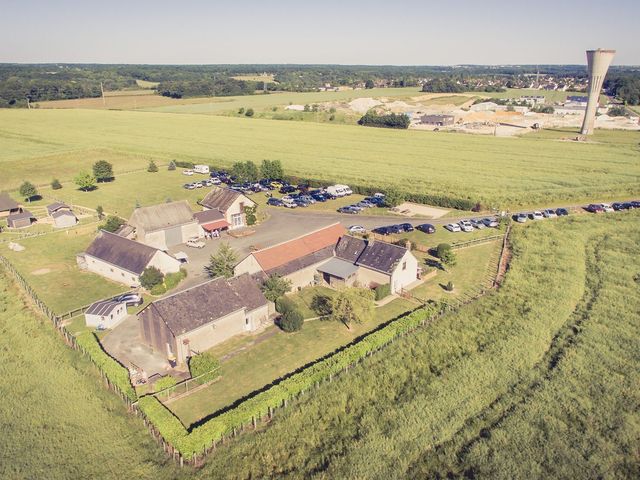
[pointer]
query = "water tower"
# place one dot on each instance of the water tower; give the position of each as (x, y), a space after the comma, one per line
(598, 62)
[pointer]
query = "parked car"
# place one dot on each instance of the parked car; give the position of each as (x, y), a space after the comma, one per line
(562, 212)
(289, 202)
(490, 222)
(381, 230)
(366, 204)
(426, 228)
(606, 207)
(195, 243)
(628, 206)
(377, 201)
(187, 172)
(276, 184)
(521, 218)
(348, 209)
(357, 229)
(536, 215)
(406, 227)
(319, 197)
(308, 199)
(356, 207)
(465, 226)
(301, 202)
(477, 223)
(635, 203)
(188, 186)
(275, 202)
(395, 229)
(594, 208)
(617, 206)
(452, 227)
(549, 213)
(130, 299)
(287, 189)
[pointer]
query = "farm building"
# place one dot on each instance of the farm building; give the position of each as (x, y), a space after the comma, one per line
(8, 205)
(484, 107)
(297, 260)
(198, 318)
(438, 120)
(533, 99)
(62, 215)
(377, 263)
(577, 100)
(211, 221)
(166, 225)
(21, 219)
(105, 314)
(123, 260)
(230, 203)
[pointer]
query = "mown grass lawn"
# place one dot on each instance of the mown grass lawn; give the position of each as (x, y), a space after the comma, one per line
(48, 263)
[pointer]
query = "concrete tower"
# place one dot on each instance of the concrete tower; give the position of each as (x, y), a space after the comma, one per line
(598, 62)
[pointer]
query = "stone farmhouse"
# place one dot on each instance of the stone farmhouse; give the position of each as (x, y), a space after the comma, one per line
(230, 204)
(165, 225)
(196, 319)
(328, 256)
(123, 260)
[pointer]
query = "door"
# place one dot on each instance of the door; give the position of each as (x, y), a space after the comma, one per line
(173, 236)
(237, 220)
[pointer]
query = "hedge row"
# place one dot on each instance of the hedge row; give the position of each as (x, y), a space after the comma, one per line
(203, 436)
(115, 373)
(425, 198)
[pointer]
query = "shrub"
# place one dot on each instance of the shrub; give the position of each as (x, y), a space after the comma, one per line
(390, 120)
(249, 112)
(100, 212)
(182, 164)
(275, 287)
(321, 304)
(171, 280)
(222, 263)
(203, 363)
(449, 286)
(172, 165)
(152, 168)
(250, 214)
(151, 277)
(85, 181)
(241, 111)
(291, 321)
(283, 305)
(112, 223)
(382, 291)
(55, 184)
(165, 382)
(158, 289)
(446, 255)
(103, 171)
(28, 190)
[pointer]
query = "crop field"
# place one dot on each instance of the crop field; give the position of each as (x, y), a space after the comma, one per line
(499, 172)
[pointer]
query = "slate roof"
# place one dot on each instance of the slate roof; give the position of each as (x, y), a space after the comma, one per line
(197, 306)
(302, 262)
(380, 256)
(222, 198)
(208, 216)
(63, 213)
(20, 216)
(7, 203)
(159, 217)
(54, 207)
(103, 307)
(121, 252)
(297, 249)
(339, 268)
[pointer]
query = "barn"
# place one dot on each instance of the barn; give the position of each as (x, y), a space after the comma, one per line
(8, 206)
(166, 225)
(21, 219)
(62, 215)
(230, 203)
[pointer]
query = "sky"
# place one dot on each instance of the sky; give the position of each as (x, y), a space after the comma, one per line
(374, 32)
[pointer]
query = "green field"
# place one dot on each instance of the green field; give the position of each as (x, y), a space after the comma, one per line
(500, 172)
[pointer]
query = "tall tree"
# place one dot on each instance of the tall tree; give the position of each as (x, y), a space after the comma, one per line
(271, 169)
(103, 171)
(85, 181)
(28, 190)
(275, 286)
(152, 167)
(353, 305)
(221, 264)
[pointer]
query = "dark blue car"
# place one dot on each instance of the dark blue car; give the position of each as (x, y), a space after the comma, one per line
(275, 202)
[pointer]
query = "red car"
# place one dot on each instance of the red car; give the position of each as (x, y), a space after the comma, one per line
(595, 208)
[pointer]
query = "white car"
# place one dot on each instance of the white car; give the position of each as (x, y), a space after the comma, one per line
(357, 229)
(478, 224)
(465, 226)
(549, 213)
(521, 218)
(606, 207)
(536, 215)
(452, 227)
(195, 243)
(215, 181)
(187, 172)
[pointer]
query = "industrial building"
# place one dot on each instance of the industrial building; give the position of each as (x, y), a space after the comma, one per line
(437, 120)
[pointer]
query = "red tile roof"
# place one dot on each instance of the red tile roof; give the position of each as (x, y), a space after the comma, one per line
(278, 255)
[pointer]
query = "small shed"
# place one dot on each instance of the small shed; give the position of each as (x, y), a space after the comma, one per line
(8, 206)
(64, 218)
(105, 314)
(21, 219)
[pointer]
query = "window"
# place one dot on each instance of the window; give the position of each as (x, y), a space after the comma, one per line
(111, 270)
(237, 220)
(246, 321)
(122, 273)
(404, 265)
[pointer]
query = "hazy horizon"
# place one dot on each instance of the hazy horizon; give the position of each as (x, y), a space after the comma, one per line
(406, 33)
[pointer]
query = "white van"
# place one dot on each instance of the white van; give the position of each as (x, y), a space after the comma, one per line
(201, 169)
(336, 190)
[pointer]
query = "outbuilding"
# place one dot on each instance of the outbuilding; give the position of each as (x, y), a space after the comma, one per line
(437, 120)
(122, 260)
(166, 225)
(21, 219)
(212, 222)
(105, 314)
(62, 215)
(8, 206)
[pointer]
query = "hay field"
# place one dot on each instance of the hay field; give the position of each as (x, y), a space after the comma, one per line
(501, 172)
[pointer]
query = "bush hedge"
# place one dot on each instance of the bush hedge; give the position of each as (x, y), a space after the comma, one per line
(382, 291)
(181, 164)
(115, 373)
(171, 280)
(284, 305)
(204, 435)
